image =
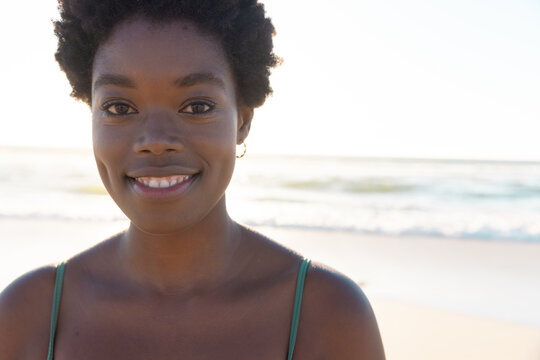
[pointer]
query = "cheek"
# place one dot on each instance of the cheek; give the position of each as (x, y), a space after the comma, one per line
(218, 138)
(108, 153)
(217, 147)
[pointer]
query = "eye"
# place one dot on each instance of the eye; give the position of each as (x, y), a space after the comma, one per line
(118, 108)
(199, 107)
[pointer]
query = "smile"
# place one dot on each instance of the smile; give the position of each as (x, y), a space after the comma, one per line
(163, 182)
(162, 188)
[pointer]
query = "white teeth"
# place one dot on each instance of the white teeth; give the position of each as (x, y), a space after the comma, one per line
(163, 182)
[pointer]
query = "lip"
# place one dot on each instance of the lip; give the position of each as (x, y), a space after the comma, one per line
(162, 194)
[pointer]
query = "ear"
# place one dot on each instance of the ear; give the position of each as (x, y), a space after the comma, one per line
(245, 115)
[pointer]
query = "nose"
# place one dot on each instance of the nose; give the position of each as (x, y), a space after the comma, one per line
(158, 134)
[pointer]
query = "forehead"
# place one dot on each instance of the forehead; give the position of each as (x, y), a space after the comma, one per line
(139, 48)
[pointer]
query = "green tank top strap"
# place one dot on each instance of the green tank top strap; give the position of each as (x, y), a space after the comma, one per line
(55, 307)
(297, 305)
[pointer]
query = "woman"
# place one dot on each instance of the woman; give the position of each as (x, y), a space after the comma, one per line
(172, 86)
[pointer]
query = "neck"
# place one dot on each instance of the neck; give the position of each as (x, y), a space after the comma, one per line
(192, 259)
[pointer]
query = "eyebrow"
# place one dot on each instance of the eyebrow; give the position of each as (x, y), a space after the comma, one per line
(199, 78)
(185, 81)
(114, 79)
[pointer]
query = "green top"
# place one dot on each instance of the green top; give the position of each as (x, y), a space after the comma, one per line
(297, 306)
(56, 306)
(294, 323)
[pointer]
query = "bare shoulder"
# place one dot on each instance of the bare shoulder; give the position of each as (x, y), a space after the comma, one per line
(337, 317)
(25, 307)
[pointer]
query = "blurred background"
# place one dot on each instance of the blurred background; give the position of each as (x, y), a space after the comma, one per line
(399, 147)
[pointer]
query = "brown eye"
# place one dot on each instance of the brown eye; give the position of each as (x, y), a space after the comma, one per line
(197, 108)
(118, 109)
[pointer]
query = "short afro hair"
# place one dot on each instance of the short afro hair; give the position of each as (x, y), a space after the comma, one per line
(241, 26)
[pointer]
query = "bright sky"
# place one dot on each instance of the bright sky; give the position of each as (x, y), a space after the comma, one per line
(418, 78)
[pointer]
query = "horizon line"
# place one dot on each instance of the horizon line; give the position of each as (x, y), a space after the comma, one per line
(366, 157)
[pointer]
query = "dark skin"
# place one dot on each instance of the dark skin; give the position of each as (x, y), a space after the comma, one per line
(184, 281)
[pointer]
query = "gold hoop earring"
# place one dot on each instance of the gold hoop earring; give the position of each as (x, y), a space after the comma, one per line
(244, 151)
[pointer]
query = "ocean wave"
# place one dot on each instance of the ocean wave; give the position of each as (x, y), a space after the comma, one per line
(490, 229)
(61, 217)
(506, 191)
(521, 235)
(362, 186)
(479, 200)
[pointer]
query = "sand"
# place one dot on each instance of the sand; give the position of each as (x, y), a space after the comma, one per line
(434, 298)
(439, 299)
(411, 331)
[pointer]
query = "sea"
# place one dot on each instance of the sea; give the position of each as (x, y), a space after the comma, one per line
(487, 200)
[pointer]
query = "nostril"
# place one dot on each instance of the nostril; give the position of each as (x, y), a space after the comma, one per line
(158, 145)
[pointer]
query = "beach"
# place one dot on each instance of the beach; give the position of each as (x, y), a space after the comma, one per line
(434, 298)
(448, 252)
(439, 298)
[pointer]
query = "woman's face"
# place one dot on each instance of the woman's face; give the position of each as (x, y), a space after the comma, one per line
(165, 123)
